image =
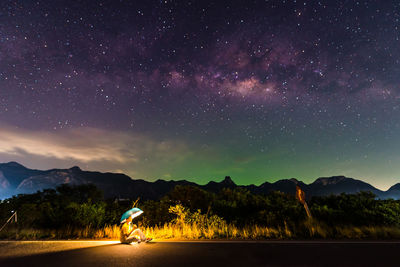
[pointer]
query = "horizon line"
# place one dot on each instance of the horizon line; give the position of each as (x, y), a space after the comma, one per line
(191, 180)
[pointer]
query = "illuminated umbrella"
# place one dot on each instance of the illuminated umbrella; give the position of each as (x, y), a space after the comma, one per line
(131, 213)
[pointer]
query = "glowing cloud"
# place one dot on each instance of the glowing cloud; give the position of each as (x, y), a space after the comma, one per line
(82, 144)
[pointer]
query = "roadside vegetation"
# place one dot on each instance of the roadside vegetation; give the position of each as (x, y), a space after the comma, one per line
(81, 212)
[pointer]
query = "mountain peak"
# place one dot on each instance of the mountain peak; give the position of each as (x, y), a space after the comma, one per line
(395, 187)
(228, 181)
(75, 168)
(14, 164)
(330, 180)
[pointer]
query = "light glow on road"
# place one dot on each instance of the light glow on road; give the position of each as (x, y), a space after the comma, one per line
(25, 248)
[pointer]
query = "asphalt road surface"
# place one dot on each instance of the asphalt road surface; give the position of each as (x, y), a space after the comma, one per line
(274, 253)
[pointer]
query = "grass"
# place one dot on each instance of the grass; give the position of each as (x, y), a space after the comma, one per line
(194, 231)
(107, 232)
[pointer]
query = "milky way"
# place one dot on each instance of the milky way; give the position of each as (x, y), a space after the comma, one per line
(196, 90)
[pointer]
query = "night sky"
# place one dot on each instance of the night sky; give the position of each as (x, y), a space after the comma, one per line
(197, 90)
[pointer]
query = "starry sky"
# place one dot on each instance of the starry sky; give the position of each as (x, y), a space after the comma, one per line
(197, 90)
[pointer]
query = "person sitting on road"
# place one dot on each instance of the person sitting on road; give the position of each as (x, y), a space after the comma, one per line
(130, 232)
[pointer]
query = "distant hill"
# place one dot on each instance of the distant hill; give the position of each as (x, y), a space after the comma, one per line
(17, 179)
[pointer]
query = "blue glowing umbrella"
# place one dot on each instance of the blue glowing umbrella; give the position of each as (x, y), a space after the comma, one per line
(131, 213)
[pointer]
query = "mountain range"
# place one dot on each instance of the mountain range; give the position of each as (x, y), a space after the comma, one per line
(17, 179)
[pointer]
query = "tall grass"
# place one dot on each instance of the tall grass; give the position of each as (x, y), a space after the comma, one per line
(228, 231)
(107, 232)
(197, 232)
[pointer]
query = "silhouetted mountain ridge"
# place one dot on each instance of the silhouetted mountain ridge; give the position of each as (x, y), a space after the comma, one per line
(17, 179)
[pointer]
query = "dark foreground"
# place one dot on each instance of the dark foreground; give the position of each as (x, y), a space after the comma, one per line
(290, 253)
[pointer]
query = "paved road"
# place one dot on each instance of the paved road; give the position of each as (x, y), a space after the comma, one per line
(79, 253)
